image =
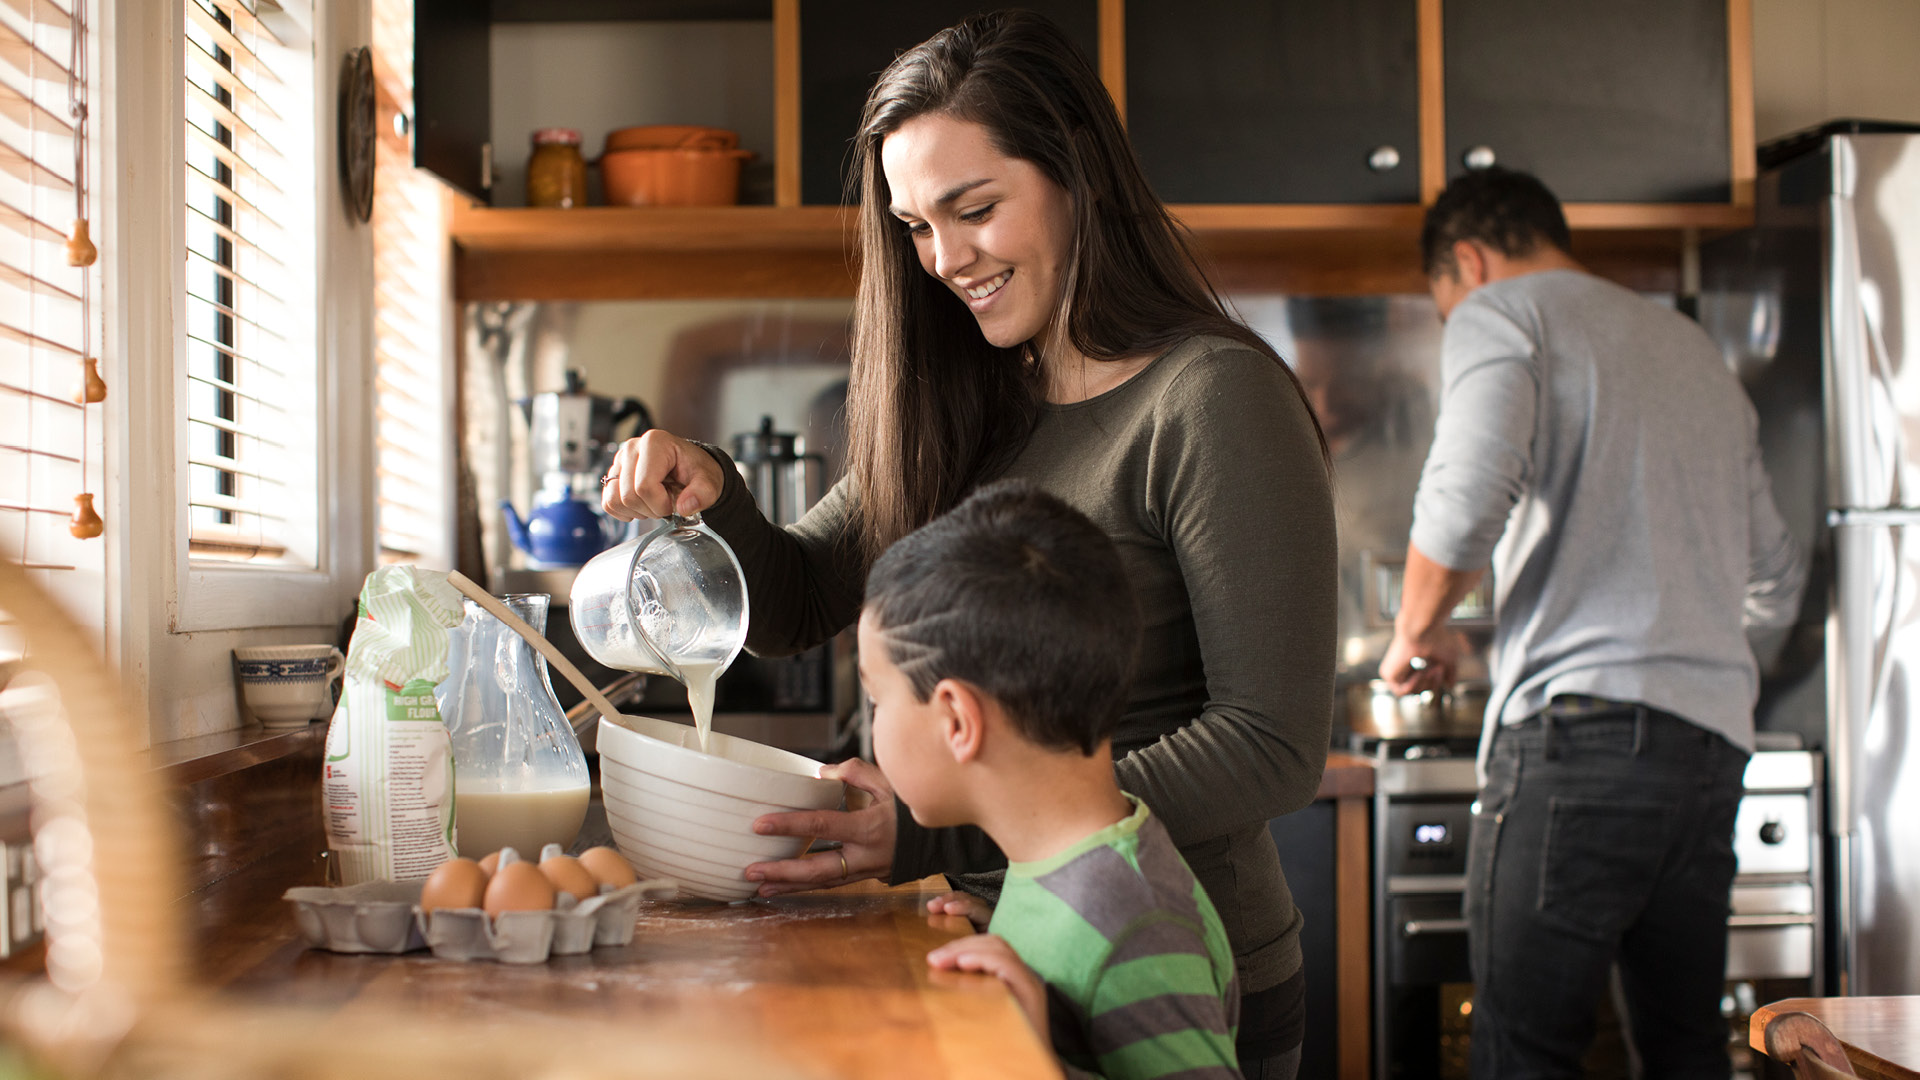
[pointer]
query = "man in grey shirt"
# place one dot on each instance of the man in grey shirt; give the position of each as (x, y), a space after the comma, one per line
(1595, 450)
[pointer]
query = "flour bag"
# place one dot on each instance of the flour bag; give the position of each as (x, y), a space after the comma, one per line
(388, 778)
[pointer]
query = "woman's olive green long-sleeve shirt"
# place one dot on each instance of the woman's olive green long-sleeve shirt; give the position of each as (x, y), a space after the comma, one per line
(1204, 470)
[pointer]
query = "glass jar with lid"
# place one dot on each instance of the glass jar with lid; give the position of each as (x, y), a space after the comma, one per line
(556, 173)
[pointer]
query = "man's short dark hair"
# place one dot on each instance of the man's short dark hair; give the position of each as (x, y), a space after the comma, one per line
(1510, 212)
(1018, 594)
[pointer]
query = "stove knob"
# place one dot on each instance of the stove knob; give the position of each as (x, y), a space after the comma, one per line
(1773, 833)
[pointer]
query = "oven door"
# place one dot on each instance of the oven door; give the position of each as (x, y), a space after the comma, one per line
(1428, 998)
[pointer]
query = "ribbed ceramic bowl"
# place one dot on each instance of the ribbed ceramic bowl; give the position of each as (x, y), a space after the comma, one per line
(676, 812)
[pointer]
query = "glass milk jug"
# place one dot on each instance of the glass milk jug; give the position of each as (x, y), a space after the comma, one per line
(671, 602)
(519, 777)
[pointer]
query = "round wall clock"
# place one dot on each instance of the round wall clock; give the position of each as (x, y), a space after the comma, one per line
(356, 133)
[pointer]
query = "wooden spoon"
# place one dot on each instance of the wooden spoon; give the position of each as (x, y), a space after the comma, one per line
(519, 626)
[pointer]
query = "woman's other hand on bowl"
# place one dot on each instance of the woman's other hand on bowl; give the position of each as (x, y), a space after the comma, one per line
(659, 474)
(865, 836)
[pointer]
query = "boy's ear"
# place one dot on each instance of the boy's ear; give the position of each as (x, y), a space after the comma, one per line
(963, 718)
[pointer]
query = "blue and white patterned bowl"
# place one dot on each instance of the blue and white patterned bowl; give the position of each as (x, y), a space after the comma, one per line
(287, 685)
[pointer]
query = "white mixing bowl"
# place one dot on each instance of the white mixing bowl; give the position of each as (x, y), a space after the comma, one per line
(679, 813)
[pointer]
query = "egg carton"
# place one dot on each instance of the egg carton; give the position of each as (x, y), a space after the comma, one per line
(375, 917)
(385, 917)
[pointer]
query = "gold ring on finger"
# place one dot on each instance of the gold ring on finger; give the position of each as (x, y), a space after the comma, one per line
(843, 865)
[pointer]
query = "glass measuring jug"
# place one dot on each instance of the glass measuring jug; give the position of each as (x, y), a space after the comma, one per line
(520, 780)
(672, 602)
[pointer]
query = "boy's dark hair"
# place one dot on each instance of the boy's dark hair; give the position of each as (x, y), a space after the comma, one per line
(1018, 594)
(1510, 212)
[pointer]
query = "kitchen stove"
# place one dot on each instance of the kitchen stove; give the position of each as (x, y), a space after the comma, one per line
(1422, 986)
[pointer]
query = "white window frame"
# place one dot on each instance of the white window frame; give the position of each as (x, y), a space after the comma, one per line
(174, 618)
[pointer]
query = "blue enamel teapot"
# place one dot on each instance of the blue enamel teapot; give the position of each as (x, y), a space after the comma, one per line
(562, 530)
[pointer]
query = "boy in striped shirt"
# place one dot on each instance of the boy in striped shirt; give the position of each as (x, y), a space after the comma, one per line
(996, 645)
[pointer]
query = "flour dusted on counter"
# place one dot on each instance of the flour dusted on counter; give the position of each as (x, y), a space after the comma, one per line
(388, 778)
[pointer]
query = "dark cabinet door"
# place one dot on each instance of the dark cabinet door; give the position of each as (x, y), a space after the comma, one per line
(452, 92)
(845, 44)
(1275, 101)
(1605, 100)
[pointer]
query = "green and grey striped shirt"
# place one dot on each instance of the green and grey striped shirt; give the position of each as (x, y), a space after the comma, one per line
(1140, 979)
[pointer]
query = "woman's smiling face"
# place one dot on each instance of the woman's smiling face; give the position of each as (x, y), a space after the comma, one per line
(994, 228)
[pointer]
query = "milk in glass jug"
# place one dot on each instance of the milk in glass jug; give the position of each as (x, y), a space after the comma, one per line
(520, 780)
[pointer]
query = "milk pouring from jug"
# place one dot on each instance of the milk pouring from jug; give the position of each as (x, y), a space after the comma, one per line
(672, 602)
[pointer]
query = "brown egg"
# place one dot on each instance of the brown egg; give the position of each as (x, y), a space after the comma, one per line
(607, 867)
(456, 883)
(491, 864)
(568, 876)
(519, 887)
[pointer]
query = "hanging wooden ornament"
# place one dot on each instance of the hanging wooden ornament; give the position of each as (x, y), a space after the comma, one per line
(80, 249)
(85, 524)
(91, 388)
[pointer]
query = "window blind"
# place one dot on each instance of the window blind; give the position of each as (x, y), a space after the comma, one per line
(246, 464)
(44, 439)
(411, 426)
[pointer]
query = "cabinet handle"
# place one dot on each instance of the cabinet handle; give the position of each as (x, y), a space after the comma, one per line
(1383, 159)
(1478, 157)
(1417, 927)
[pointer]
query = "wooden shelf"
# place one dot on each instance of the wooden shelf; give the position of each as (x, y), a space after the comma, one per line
(1603, 216)
(700, 229)
(601, 253)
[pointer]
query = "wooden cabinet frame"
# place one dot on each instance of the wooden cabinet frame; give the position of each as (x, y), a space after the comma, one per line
(1736, 213)
(791, 250)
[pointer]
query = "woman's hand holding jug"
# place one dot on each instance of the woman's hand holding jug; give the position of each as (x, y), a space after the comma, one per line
(659, 475)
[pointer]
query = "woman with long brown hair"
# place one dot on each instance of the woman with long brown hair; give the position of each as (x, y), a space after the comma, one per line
(1028, 308)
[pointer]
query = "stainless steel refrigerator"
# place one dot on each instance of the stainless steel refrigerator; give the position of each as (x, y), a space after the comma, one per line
(1818, 308)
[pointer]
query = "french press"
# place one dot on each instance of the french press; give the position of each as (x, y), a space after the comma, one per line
(784, 478)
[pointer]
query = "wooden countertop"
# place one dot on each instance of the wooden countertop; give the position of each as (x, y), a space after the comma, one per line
(834, 983)
(1881, 1034)
(203, 757)
(1347, 776)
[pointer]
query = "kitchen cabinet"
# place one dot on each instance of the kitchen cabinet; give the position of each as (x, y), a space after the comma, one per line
(1608, 101)
(452, 95)
(845, 44)
(1275, 101)
(1305, 839)
(453, 73)
(1324, 853)
(1257, 119)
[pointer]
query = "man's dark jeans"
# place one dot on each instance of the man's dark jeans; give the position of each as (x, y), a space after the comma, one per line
(1600, 839)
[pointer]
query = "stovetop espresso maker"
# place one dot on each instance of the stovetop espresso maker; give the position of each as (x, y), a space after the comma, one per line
(572, 436)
